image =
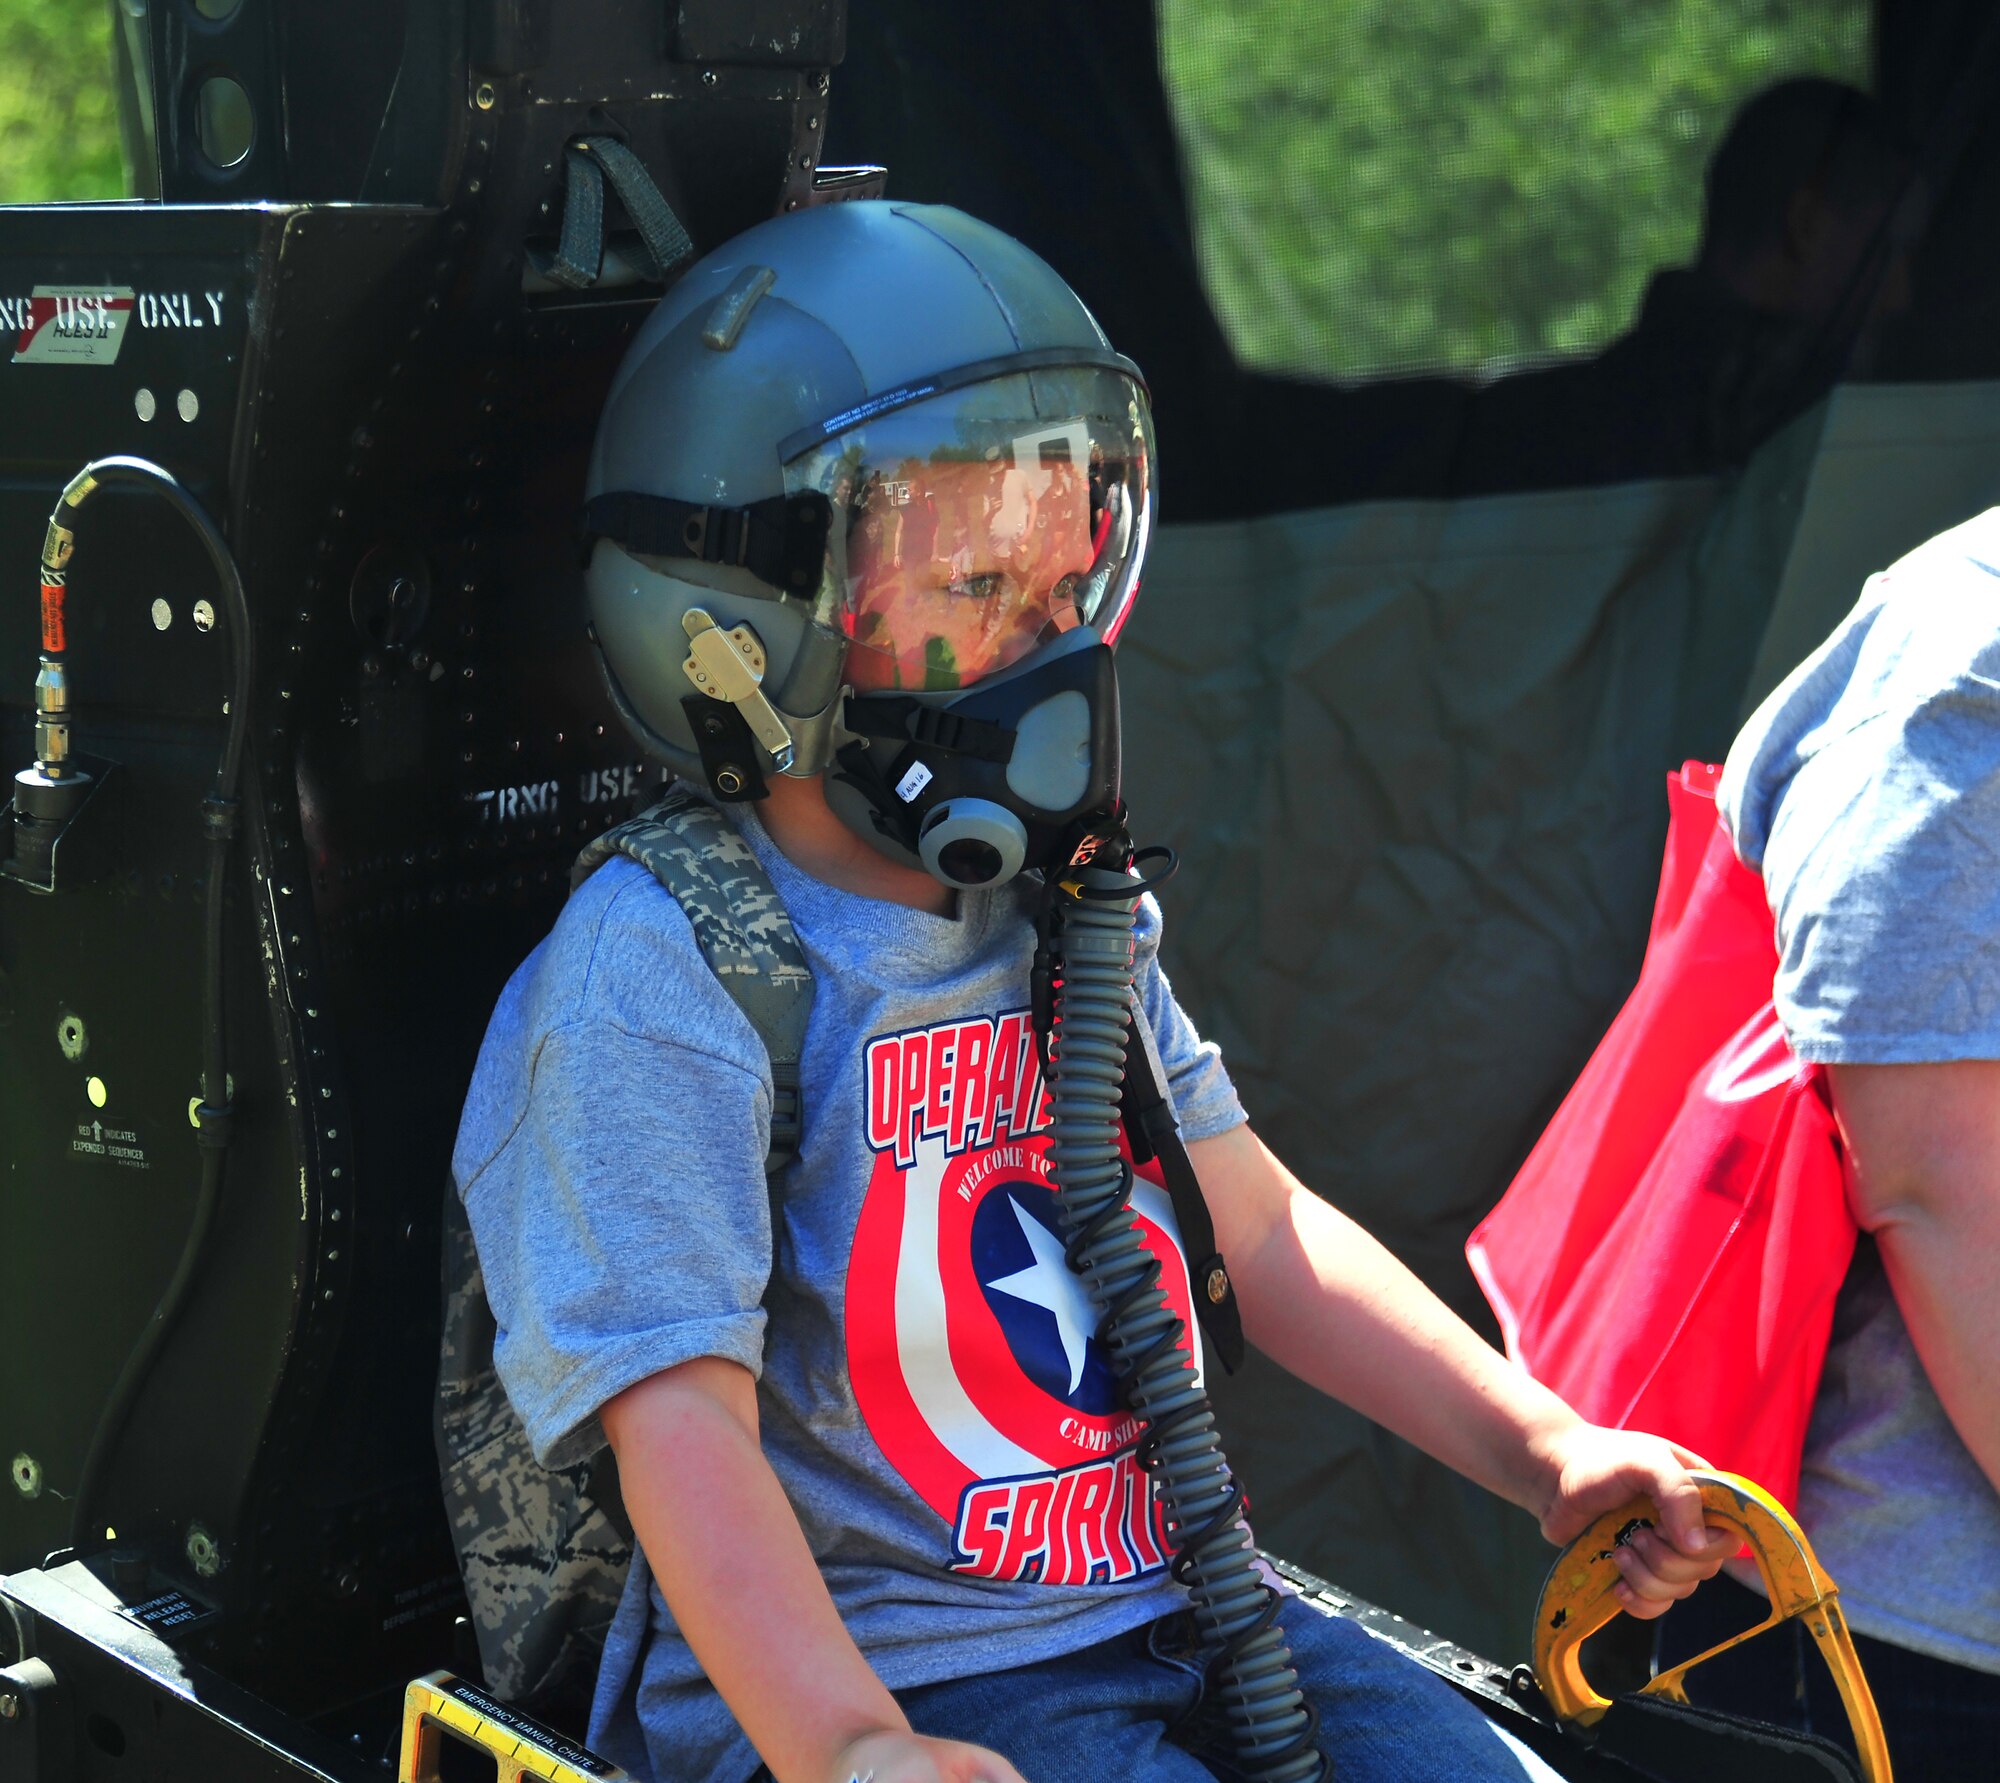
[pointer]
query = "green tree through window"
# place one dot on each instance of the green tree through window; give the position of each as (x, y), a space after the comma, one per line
(1463, 185)
(58, 111)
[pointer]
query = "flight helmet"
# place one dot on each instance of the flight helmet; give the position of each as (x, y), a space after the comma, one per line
(870, 497)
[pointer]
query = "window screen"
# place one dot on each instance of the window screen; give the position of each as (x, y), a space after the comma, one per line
(1399, 186)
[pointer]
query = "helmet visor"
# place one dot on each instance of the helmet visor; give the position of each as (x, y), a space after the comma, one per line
(973, 526)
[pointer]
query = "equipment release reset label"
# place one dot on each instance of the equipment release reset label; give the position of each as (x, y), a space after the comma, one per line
(69, 324)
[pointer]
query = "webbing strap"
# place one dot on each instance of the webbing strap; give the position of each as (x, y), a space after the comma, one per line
(666, 240)
(1152, 1132)
(580, 252)
(741, 927)
(588, 162)
(780, 540)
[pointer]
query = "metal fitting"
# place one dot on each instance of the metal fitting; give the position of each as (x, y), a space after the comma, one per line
(51, 718)
(57, 545)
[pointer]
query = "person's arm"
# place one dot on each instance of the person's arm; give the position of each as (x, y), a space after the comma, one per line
(1325, 1300)
(1923, 1152)
(733, 1565)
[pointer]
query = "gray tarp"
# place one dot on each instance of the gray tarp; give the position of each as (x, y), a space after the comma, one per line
(1413, 756)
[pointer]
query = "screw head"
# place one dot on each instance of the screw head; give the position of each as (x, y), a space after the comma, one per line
(1218, 1286)
(10, 1705)
(485, 96)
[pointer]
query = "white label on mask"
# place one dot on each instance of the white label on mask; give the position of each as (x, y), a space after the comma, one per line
(913, 782)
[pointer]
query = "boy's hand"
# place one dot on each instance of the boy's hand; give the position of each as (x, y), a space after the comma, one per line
(890, 1756)
(1591, 1470)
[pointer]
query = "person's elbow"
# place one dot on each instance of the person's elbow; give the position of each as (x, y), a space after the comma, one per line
(684, 1404)
(1923, 1147)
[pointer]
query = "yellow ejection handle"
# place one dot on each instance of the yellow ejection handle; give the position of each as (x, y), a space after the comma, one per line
(524, 1749)
(1577, 1601)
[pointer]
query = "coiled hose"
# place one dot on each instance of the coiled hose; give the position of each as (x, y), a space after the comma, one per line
(1094, 909)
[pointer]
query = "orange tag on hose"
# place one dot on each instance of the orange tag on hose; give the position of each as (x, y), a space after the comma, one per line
(54, 638)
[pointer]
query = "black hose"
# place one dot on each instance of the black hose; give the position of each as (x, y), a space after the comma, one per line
(214, 1113)
(1269, 1719)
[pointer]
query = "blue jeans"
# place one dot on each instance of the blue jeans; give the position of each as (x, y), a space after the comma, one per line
(1131, 1710)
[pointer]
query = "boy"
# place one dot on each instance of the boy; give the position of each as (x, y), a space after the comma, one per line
(867, 1437)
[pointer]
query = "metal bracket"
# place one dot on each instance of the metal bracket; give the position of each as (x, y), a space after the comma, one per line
(729, 665)
(441, 1706)
(78, 852)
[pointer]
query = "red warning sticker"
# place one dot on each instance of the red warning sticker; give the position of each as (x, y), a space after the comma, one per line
(73, 325)
(55, 638)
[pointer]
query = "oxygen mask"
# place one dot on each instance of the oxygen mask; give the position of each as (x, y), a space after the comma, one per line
(985, 555)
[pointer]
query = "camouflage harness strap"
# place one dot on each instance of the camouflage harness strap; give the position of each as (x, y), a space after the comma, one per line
(545, 1553)
(740, 926)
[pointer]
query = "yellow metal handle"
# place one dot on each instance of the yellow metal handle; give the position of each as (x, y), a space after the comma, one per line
(1577, 1601)
(442, 1707)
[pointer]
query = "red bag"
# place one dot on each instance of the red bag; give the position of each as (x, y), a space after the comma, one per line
(1668, 1256)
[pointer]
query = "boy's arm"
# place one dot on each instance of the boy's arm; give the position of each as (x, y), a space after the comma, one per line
(734, 1567)
(1325, 1300)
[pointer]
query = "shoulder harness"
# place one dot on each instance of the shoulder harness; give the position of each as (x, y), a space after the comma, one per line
(544, 1552)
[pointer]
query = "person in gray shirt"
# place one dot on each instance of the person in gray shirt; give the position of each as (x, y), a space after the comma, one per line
(1866, 790)
(888, 1494)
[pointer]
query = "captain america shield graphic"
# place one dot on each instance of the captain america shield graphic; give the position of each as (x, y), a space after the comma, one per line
(971, 1344)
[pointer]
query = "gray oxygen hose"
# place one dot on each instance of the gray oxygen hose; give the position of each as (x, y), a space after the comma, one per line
(1088, 927)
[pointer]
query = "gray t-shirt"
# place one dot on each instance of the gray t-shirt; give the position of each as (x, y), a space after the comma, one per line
(930, 1396)
(1866, 790)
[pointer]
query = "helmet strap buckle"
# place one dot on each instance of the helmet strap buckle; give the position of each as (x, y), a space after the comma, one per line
(729, 666)
(728, 751)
